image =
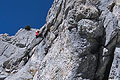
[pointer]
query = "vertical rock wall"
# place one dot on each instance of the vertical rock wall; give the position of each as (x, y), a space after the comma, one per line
(80, 41)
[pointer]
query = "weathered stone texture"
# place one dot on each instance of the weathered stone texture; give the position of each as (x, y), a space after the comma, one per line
(80, 41)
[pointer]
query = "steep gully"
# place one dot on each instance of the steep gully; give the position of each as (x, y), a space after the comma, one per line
(103, 69)
(106, 52)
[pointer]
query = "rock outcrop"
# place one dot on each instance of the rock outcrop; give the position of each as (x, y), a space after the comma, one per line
(80, 41)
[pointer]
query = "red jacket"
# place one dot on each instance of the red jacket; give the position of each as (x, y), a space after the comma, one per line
(37, 33)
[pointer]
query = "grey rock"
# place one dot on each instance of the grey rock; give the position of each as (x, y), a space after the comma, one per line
(80, 41)
(13, 55)
(117, 2)
(114, 73)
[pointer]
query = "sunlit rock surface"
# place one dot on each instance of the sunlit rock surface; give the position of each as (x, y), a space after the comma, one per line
(80, 41)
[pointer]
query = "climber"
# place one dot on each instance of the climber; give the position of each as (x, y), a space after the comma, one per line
(38, 34)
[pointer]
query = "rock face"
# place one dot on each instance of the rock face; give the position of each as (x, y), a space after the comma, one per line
(80, 41)
(13, 54)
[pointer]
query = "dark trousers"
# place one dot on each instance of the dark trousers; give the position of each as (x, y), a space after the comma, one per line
(36, 36)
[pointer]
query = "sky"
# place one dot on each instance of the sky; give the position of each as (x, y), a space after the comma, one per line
(16, 14)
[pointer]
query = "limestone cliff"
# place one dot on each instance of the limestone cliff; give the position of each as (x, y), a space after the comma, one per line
(80, 41)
